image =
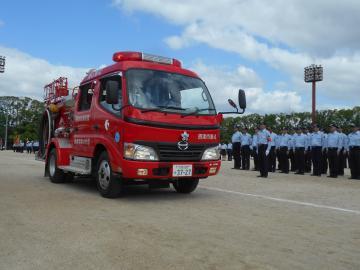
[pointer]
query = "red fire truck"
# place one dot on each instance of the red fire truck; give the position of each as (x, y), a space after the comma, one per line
(142, 120)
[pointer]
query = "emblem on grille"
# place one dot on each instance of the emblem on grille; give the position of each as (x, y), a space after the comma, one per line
(183, 144)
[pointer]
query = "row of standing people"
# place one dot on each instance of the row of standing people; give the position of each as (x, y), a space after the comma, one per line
(300, 151)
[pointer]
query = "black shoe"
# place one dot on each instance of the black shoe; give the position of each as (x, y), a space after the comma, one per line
(331, 176)
(299, 173)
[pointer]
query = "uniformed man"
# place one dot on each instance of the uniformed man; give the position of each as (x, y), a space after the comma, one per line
(236, 142)
(333, 145)
(245, 149)
(353, 148)
(229, 151)
(343, 139)
(324, 159)
(272, 154)
(316, 146)
(263, 140)
(223, 151)
(293, 167)
(284, 145)
(300, 144)
(254, 150)
(307, 151)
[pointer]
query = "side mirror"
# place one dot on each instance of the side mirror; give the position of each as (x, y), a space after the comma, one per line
(242, 104)
(242, 99)
(112, 89)
(232, 103)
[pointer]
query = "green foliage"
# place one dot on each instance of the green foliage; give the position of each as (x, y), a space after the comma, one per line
(23, 117)
(341, 118)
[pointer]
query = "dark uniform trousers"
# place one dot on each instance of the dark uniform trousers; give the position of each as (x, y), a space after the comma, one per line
(245, 157)
(316, 152)
(333, 159)
(324, 162)
(300, 159)
(230, 154)
(256, 158)
(341, 159)
(308, 161)
(354, 162)
(272, 159)
(284, 159)
(293, 167)
(263, 160)
(278, 158)
(236, 154)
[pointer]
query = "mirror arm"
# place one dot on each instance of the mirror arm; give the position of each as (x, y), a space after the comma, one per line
(237, 112)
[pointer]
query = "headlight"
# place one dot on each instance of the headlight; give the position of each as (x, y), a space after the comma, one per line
(139, 152)
(212, 153)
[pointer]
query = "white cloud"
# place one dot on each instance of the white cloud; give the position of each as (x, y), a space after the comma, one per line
(224, 84)
(26, 75)
(285, 35)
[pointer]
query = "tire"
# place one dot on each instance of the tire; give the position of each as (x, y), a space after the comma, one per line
(109, 185)
(186, 185)
(56, 175)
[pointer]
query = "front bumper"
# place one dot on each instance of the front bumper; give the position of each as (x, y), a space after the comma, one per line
(131, 169)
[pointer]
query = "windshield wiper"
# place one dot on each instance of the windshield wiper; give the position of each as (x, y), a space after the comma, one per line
(197, 110)
(162, 109)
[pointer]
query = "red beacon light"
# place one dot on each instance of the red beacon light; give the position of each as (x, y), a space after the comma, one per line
(137, 56)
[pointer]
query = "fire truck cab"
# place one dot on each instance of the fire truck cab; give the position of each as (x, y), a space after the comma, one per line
(142, 120)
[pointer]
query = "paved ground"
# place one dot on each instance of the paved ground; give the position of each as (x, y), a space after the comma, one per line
(233, 221)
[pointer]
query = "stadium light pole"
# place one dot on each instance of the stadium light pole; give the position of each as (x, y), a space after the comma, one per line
(2, 70)
(313, 74)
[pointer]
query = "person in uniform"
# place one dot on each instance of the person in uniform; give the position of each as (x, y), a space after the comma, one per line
(254, 150)
(293, 167)
(236, 142)
(284, 145)
(300, 146)
(307, 151)
(333, 145)
(353, 148)
(272, 154)
(229, 151)
(263, 140)
(324, 160)
(245, 149)
(223, 151)
(341, 160)
(316, 146)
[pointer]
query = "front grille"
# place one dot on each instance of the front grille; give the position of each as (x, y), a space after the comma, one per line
(169, 152)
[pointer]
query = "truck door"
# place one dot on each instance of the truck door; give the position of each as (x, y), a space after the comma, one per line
(107, 117)
(82, 120)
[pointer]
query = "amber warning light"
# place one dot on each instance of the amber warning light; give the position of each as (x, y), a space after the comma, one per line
(138, 56)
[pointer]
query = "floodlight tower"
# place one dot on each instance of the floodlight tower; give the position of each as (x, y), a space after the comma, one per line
(2, 64)
(313, 74)
(2, 70)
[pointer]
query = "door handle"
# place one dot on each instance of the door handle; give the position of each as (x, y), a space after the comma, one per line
(96, 126)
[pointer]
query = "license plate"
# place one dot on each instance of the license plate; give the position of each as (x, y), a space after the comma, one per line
(182, 170)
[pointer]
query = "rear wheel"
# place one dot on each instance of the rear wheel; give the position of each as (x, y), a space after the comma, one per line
(56, 175)
(109, 185)
(186, 185)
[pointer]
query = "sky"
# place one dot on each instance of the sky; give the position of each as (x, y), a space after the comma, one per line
(260, 46)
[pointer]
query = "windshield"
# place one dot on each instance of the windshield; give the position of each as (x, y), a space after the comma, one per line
(151, 89)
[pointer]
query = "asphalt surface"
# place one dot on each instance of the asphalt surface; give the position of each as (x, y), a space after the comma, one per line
(232, 221)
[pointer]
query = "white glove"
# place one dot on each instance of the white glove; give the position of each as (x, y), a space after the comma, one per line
(267, 152)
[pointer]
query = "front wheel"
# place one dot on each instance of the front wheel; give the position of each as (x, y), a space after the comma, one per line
(56, 175)
(186, 185)
(108, 184)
